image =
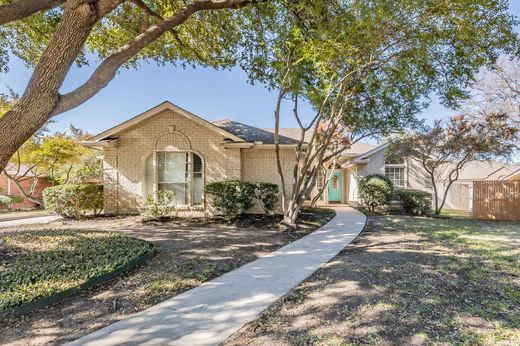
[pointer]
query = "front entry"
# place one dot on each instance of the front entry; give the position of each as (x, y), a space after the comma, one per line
(335, 188)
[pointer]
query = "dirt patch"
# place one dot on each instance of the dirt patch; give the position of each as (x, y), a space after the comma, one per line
(402, 282)
(190, 251)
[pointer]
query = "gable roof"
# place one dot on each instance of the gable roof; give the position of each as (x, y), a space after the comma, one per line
(295, 133)
(374, 150)
(229, 129)
(478, 170)
(251, 133)
(513, 176)
(114, 131)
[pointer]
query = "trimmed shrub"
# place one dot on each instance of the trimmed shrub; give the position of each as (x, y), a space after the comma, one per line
(231, 197)
(160, 207)
(74, 200)
(7, 200)
(414, 201)
(267, 195)
(375, 191)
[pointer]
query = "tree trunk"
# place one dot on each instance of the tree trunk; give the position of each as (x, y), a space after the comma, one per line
(291, 214)
(35, 106)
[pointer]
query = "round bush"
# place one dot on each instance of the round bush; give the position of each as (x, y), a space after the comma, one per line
(414, 201)
(267, 195)
(375, 191)
(74, 200)
(231, 197)
(7, 200)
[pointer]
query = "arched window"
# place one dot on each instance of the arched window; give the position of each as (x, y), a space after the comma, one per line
(179, 172)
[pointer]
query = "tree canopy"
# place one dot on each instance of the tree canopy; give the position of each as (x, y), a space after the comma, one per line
(394, 52)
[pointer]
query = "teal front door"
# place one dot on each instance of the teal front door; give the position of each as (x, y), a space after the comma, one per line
(334, 187)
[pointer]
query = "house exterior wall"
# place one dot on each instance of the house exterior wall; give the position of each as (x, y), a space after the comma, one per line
(415, 175)
(375, 165)
(9, 188)
(259, 165)
(124, 164)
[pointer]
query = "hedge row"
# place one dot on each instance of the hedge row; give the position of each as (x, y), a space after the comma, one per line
(376, 191)
(414, 201)
(235, 197)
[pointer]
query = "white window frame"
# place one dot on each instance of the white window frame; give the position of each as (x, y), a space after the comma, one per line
(405, 173)
(190, 176)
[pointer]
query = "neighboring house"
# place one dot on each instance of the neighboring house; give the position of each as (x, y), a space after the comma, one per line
(169, 148)
(407, 173)
(515, 175)
(460, 195)
(29, 182)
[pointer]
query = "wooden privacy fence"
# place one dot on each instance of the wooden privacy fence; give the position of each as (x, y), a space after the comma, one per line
(496, 200)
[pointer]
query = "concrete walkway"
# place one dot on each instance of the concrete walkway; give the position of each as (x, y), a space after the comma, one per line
(29, 221)
(210, 313)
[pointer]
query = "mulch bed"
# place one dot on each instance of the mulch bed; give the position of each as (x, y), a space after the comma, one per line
(189, 252)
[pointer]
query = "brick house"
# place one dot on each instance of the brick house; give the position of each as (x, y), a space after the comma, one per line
(169, 148)
(9, 188)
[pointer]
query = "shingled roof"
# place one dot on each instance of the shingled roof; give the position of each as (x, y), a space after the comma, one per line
(357, 148)
(251, 133)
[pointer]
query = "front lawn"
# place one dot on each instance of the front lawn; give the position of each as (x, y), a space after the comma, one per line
(406, 281)
(190, 251)
(36, 264)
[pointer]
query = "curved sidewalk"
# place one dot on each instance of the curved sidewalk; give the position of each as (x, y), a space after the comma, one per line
(210, 313)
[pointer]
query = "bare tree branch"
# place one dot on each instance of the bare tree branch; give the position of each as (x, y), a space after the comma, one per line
(107, 70)
(146, 9)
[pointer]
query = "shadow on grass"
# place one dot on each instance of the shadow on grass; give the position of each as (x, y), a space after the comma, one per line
(404, 281)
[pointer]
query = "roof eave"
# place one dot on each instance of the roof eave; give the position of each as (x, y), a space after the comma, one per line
(157, 109)
(99, 144)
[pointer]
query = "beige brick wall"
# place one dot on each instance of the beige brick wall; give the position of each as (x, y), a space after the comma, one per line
(124, 165)
(259, 165)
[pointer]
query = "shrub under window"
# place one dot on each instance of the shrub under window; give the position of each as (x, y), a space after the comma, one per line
(414, 201)
(161, 206)
(231, 197)
(375, 191)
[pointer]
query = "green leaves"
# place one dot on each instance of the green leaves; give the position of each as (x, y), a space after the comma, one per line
(394, 53)
(375, 191)
(40, 263)
(74, 200)
(231, 197)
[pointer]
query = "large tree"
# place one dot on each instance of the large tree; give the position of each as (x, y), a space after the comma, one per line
(51, 35)
(368, 67)
(497, 90)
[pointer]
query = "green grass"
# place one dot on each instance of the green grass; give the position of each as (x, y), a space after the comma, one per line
(456, 213)
(487, 255)
(36, 264)
(368, 212)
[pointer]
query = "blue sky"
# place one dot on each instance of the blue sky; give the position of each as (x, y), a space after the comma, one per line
(208, 93)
